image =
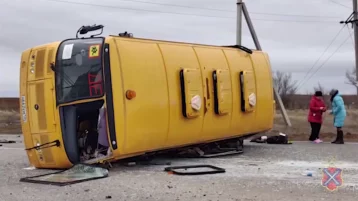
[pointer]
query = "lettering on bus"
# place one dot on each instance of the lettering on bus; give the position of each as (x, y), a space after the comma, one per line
(23, 108)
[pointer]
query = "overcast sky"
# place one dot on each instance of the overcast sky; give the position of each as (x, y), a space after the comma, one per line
(293, 46)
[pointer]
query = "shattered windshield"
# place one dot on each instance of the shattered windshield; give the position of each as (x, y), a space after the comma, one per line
(79, 70)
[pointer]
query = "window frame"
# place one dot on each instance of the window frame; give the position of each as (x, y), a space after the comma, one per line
(56, 66)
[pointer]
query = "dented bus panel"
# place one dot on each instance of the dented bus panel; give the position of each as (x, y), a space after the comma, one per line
(156, 95)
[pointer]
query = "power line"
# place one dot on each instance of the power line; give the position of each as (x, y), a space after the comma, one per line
(292, 15)
(326, 60)
(309, 21)
(225, 10)
(177, 13)
(301, 82)
(351, 36)
(340, 4)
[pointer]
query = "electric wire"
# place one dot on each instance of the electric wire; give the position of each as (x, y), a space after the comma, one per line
(226, 10)
(188, 14)
(258, 19)
(350, 35)
(332, 41)
(340, 4)
(325, 61)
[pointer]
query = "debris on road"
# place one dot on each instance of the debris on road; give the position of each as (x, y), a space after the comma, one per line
(131, 164)
(78, 173)
(308, 173)
(208, 151)
(215, 170)
(154, 163)
(7, 141)
(143, 160)
(278, 139)
(30, 168)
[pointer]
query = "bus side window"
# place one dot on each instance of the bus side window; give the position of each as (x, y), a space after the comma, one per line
(247, 91)
(191, 90)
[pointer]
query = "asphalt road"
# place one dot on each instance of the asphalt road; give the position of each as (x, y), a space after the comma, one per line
(264, 172)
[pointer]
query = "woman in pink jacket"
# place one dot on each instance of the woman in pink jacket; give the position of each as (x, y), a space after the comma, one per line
(315, 116)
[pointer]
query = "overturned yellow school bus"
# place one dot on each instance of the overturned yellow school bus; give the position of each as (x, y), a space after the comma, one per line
(157, 95)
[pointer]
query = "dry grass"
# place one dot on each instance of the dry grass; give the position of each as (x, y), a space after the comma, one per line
(300, 129)
(10, 122)
(9, 116)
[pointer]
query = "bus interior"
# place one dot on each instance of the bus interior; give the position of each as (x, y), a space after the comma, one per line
(85, 131)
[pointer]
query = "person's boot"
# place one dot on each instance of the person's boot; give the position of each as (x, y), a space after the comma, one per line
(339, 139)
(334, 142)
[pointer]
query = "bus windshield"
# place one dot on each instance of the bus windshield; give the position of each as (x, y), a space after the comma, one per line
(79, 70)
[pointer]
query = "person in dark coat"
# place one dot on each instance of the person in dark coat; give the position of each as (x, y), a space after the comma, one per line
(315, 116)
(339, 113)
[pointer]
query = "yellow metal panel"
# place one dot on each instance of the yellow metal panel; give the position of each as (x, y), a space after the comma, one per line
(193, 87)
(50, 105)
(249, 88)
(24, 99)
(50, 59)
(41, 106)
(241, 123)
(215, 125)
(147, 114)
(47, 152)
(40, 63)
(118, 96)
(39, 153)
(224, 91)
(181, 130)
(264, 88)
(31, 65)
(40, 101)
(47, 157)
(33, 114)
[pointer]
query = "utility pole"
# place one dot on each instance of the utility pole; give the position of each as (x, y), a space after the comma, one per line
(239, 22)
(355, 18)
(241, 8)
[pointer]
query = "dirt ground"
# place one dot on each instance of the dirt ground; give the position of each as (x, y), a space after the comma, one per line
(300, 129)
(263, 172)
(10, 124)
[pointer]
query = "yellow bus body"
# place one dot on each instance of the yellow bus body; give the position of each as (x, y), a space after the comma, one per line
(153, 120)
